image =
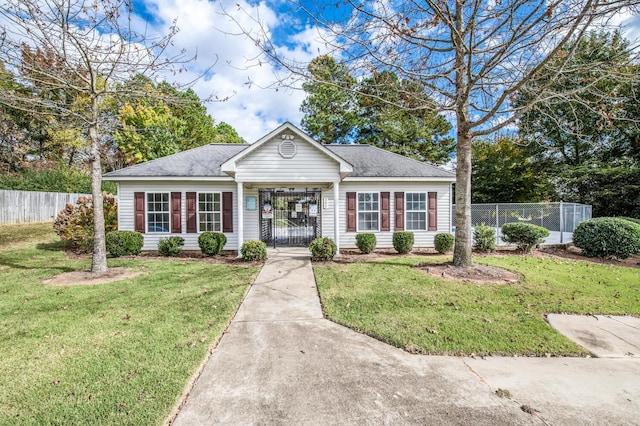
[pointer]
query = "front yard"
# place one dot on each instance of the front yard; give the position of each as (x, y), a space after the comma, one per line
(117, 353)
(402, 305)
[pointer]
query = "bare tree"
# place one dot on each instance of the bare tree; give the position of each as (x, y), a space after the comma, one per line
(80, 53)
(473, 56)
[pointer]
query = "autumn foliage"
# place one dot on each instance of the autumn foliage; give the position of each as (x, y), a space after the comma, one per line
(74, 224)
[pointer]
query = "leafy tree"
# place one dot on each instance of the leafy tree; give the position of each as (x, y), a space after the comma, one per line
(471, 57)
(381, 110)
(393, 117)
(164, 122)
(330, 109)
(587, 142)
(76, 52)
(503, 172)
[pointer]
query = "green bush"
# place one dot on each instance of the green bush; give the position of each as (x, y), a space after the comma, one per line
(124, 243)
(484, 238)
(74, 224)
(632, 219)
(323, 249)
(253, 250)
(366, 242)
(607, 237)
(212, 243)
(443, 242)
(525, 235)
(171, 246)
(51, 177)
(403, 241)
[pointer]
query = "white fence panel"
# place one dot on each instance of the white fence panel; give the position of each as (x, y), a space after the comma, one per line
(30, 206)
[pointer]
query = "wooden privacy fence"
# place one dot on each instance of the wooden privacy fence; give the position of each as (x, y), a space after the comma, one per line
(29, 206)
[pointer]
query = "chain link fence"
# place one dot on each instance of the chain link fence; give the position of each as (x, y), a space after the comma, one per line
(559, 218)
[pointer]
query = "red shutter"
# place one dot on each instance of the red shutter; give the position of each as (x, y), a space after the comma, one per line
(139, 202)
(433, 211)
(192, 223)
(385, 224)
(227, 212)
(351, 212)
(399, 211)
(176, 212)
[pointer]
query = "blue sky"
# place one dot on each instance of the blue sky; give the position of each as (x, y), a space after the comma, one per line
(205, 29)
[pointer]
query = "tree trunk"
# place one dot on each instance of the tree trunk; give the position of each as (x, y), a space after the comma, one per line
(462, 249)
(99, 260)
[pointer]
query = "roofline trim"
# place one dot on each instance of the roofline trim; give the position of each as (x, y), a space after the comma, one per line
(169, 178)
(399, 179)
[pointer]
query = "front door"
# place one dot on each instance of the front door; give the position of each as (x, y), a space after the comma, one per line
(289, 218)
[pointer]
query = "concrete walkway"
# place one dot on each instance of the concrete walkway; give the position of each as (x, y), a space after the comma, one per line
(281, 363)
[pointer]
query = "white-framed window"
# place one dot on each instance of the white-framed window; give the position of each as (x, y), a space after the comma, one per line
(368, 211)
(209, 212)
(158, 212)
(415, 211)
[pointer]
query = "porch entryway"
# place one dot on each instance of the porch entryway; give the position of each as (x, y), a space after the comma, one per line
(289, 217)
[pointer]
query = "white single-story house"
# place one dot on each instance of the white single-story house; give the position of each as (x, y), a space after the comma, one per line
(285, 189)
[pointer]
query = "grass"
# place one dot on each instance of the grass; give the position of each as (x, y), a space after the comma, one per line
(117, 353)
(402, 305)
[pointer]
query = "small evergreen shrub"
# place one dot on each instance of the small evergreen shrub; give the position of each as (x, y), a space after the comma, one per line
(171, 246)
(366, 242)
(124, 243)
(607, 237)
(525, 235)
(323, 249)
(403, 241)
(632, 219)
(443, 242)
(253, 250)
(484, 239)
(212, 243)
(74, 224)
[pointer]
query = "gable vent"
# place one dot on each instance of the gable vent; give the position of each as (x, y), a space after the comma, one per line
(287, 149)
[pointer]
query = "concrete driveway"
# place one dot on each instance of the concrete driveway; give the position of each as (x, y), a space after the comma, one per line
(281, 362)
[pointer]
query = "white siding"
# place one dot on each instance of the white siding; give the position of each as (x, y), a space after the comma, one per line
(251, 217)
(385, 239)
(265, 164)
(126, 209)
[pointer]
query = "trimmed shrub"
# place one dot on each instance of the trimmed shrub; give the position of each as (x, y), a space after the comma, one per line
(212, 243)
(253, 250)
(443, 242)
(484, 238)
(607, 237)
(171, 246)
(366, 242)
(74, 224)
(403, 241)
(525, 235)
(124, 243)
(323, 249)
(632, 219)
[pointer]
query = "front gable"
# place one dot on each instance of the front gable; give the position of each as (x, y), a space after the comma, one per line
(287, 155)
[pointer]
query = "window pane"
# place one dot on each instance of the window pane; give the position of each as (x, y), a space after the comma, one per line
(158, 213)
(209, 211)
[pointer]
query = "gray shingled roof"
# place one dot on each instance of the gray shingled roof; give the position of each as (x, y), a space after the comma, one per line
(205, 161)
(197, 162)
(369, 161)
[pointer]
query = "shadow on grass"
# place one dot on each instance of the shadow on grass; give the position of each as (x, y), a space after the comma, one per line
(55, 246)
(12, 264)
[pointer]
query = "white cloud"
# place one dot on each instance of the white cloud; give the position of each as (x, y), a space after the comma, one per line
(207, 30)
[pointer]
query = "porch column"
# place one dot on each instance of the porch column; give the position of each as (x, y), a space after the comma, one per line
(336, 215)
(240, 196)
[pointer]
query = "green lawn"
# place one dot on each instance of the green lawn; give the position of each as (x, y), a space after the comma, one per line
(117, 353)
(402, 305)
